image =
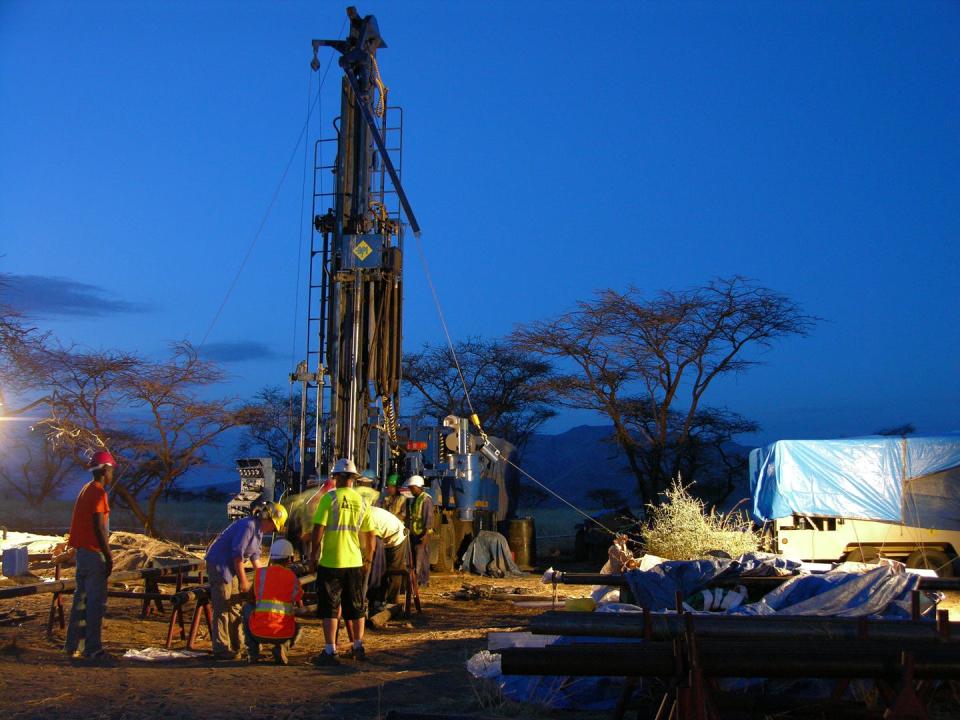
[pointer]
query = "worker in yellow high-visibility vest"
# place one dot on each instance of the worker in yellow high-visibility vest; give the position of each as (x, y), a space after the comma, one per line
(421, 528)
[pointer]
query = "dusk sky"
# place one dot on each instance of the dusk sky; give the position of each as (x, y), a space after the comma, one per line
(551, 149)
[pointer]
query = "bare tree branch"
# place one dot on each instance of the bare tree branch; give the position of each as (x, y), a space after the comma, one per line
(646, 363)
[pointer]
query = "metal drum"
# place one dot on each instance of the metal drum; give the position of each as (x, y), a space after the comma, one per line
(522, 538)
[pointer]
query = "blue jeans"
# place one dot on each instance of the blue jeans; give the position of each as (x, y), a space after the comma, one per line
(89, 604)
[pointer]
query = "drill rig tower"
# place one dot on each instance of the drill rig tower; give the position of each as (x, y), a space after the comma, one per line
(352, 369)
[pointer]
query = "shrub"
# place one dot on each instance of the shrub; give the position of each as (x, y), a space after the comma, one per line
(680, 528)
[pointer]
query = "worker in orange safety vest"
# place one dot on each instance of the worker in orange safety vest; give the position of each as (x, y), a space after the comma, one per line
(269, 618)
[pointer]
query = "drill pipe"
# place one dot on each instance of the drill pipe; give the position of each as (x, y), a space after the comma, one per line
(70, 585)
(568, 578)
(724, 658)
(666, 626)
(201, 592)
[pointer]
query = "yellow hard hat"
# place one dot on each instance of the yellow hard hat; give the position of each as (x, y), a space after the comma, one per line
(275, 512)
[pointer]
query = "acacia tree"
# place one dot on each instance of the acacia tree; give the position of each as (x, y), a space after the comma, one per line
(606, 498)
(273, 426)
(172, 428)
(148, 414)
(897, 430)
(40, 470)
(647, 363)
(20, 346)
(506, 388)
(704, 456)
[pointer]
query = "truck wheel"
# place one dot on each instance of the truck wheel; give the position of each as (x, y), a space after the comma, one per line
(446, 540)
(932, 560)
(863, 555)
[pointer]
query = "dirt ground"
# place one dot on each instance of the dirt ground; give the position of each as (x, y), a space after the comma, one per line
(415, 665)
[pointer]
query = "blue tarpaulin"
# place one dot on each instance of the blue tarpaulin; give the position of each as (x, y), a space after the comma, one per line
(656, 589)
(882, 591)
(915, 481)
(489, 554)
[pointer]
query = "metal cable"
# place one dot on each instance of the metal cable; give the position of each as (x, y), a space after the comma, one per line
(300, 243)
(273, 200)
(256, 235)
(558, 497)
(443, 322)
(466, 393)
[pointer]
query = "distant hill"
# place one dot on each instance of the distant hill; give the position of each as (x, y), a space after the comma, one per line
(572, 463)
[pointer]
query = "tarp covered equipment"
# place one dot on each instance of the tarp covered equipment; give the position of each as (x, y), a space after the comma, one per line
(915, 481)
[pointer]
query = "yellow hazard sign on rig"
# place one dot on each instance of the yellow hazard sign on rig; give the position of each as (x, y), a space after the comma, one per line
(362, 250)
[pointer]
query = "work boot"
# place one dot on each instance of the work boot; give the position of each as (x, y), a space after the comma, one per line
(253, 658)
(325, 659)
(280, 654)
(102, 657)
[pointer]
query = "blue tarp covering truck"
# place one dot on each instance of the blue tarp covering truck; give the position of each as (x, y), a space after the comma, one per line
(862, 498)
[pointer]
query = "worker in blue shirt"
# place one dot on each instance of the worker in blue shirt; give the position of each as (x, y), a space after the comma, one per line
(225, 558)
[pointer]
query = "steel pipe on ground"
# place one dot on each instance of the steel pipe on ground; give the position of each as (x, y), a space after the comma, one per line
(202, 592)
(665, 626)
(567, 578)
(121, 576)
(720, 658)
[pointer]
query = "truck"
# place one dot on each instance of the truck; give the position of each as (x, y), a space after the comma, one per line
(860, 499)
(350, 378)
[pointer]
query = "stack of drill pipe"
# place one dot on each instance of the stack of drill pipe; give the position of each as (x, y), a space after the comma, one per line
(202, 592)
(666, 626)
(568, 578)
(716, 657)
(70, 585)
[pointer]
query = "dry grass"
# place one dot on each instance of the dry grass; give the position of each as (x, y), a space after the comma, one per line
(680, 528)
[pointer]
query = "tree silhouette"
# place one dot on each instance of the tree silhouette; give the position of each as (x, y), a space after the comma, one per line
(646, 364)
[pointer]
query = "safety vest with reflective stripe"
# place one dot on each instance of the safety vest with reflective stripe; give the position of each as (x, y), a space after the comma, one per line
(276, 591)
(421, 519)
(343, 514)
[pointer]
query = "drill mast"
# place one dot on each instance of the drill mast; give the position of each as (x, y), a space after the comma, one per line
(354, 341)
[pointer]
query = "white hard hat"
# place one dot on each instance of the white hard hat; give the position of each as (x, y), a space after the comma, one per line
(281, 549)
(344, 466)
(414, 481)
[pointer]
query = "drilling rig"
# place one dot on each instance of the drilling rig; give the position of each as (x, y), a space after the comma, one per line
(350, 377)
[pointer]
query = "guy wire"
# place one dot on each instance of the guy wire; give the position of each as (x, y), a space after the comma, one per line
(273, 200)
(466, 393)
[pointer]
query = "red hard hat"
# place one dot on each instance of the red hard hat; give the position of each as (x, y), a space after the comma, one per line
(101, 459)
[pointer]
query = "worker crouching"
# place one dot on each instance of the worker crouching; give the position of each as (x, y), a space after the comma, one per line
(269, 618)
(240, 542)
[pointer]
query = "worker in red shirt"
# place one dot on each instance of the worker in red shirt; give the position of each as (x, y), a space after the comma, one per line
(89, 535)
(269, 619)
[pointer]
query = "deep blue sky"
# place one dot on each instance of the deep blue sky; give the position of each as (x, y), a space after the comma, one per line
(551, 149)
